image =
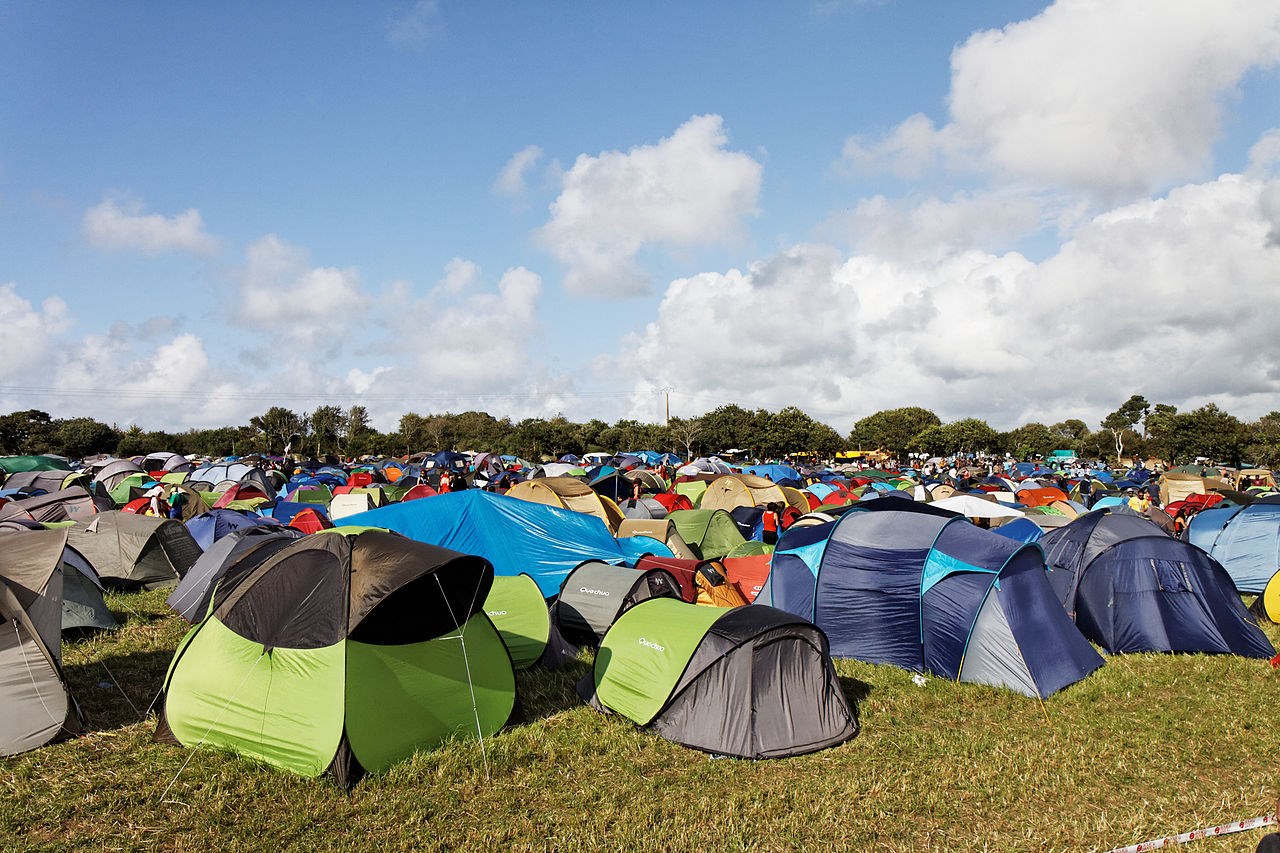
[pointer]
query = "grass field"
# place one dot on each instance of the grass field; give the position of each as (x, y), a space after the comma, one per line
(1147, 746)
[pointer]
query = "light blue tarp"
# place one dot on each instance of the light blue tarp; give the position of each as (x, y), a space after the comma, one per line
(516, 536)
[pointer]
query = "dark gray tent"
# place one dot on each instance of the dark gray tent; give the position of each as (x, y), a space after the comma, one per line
(63, 505)
(595, 594)
(238, 553)
(36, 706)
(133, 551)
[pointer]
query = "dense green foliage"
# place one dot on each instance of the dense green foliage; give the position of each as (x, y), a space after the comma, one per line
(1137, 428)
(1148, 745)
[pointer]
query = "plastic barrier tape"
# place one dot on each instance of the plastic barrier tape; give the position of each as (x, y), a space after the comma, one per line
(1209, 832)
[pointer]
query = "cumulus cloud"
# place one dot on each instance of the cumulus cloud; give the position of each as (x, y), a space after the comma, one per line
(282, 294)
(687, 190)
(511, 180)
(31, 332)
(116, 227)
(1114, 98)
(1173, 298)
(414, 24)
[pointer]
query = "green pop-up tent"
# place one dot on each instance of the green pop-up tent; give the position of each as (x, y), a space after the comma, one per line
(344, 652)
(519, 612)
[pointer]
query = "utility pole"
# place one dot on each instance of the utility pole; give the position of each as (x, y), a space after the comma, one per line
(667, 396)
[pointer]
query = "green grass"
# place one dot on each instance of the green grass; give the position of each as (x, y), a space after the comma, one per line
(1149, 745)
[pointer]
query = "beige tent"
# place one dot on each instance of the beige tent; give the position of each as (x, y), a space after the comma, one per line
(796, 499)
(569, 493)
(1176, 485)
(664, 530)
(735, 490)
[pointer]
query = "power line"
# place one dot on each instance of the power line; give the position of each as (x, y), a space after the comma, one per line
(159, 394)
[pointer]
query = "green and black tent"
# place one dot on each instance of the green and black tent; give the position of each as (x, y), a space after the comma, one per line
(344, 652)
(595, 594)
(750, 682)
(519, 612)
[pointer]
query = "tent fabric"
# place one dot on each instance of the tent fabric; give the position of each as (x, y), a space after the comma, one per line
(15, 464)
(751, 682)
(70, 503)
(344, 652)
(83, 607)
(1070, 548)
(595, 594)
(1159, 594)
(239, 551)
(1246, 542)
(912, 590)
(664, 530)
(211, 525)
(515, 536)
(517, 609)
(735, 490)
(710, 533)
(135, 550)
(38, 706)
(571, 494)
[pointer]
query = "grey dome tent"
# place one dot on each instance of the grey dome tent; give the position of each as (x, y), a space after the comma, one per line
(237, 553)
(595, 594)
(750, 682)
(132, 551)
(36, 706)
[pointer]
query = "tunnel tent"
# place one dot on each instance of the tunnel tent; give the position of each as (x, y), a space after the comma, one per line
(595, 594)
(343, 653)
(134, 551)
(749, 682)
(519, 612)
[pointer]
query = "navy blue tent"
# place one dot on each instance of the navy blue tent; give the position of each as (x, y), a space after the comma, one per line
(210, 526)
(284, 511)
(937, 595)
(516, 536)
(1071, 547)
(1159, 594)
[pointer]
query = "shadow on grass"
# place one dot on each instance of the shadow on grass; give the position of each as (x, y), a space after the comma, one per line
(546, 692)
(856, 691)
(114, 692)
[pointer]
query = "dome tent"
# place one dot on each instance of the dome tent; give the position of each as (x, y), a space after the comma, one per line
(751, 682)
(595, 594)
(37, 704)
(343, 653)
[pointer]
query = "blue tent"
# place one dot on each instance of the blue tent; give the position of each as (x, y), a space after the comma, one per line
(1245, 540)
(284, 511)
(938, 595)
(516, 536)
(210, 526)
(1068, 549)
(777, 473)
(1020, 529)
(1159, 594)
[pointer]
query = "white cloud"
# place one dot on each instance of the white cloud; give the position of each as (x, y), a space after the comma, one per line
(30, 333)
(687, 190)
(114, 227)
(511, 181)
(281, 293)
(1264, 156)
(415, 24)
(1115, 97)
(1173, 298)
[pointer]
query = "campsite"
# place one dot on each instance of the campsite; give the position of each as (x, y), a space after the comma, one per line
(507, 662)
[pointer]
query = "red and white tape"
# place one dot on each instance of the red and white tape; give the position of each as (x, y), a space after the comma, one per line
(1208, 832)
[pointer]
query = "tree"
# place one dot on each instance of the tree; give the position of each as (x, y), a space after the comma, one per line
(728, 427)
(1210, 432)
(972, 435)
(1031, 440)
(892, 429)
(326, 423)
(278, 426)
(26, 433)
(685, 432)
(1159, 426)
(356, 436)
(1263, 440)
(1124, 418)
(77, 438)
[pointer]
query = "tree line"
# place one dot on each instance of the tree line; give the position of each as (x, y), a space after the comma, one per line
(1136, 428)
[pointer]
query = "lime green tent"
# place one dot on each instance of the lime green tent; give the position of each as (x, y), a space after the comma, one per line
(519, 612)
(712, 533)
(130, 487)
(750, 548)
(692, 489)
(343, 653)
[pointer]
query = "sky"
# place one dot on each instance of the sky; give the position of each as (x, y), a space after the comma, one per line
(1015, 211)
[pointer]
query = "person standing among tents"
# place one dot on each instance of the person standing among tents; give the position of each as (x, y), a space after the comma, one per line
(177, 500)
(771, 523)
(1138, 501)
(445, 482)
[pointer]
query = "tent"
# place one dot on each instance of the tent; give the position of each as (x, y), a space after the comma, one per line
(84, 610)
(751, 682)
(571, 494)
(36, 706)
(133, 551)
(238, 552)
(514, 536)
(1159, 594)
(710, 533)
(1068, 549)
(1245, 540)
(14, 464)
(933, 594)
(211, 525)
(343, 653)
(69, 503)
(664, 530)
(595, 594)
(735, 490)
(519, 612)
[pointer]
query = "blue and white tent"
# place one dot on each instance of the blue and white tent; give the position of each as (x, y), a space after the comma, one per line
(934, 594)
(1245, 540)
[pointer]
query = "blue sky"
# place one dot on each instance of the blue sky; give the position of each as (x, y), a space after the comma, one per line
(1015, 211)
